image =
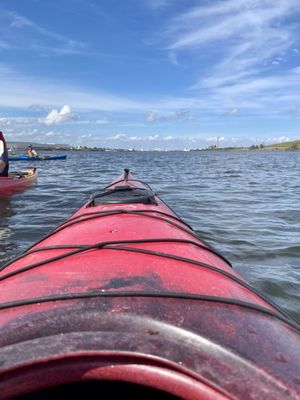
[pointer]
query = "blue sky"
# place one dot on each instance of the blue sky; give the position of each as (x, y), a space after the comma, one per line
(168, 74)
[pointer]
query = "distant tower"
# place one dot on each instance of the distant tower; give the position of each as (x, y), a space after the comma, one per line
(218, 142)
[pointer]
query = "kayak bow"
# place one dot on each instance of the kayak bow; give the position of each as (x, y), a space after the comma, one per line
(125, 297)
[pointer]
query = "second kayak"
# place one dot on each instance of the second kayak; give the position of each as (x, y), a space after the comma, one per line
(124, 297)
(17, 181)
(40, 158)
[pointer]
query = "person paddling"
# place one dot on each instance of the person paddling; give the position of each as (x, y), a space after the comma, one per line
(4, 164)
(31, 152)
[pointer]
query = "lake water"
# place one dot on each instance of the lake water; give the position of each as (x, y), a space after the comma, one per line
(245, 204)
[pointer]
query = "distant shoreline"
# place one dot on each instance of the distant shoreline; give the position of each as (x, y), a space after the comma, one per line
(22, 146)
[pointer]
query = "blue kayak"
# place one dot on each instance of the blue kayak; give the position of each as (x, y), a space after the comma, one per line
(40, 158)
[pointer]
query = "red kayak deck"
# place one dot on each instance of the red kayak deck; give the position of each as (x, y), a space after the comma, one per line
(125, 291)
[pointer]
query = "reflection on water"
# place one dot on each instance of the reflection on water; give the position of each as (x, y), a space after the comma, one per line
(6, 212)
(246, 204)
(5, 208)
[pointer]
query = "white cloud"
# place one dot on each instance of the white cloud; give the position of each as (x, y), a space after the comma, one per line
(91, 121)
(154, 137)
(278, 139)
(215, 139)
(152, 116)
(156, 141)
(243, 39)
(118, 136)
(59, 44)
(35, 134)
(86, 136)
(255, 23)
(57, 117)
(21, 91)
(151, 138)
(17, 21)
(270, 140)
(14, 121)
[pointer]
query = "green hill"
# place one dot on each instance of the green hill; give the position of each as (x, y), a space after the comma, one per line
(286, 146)
(293, 145)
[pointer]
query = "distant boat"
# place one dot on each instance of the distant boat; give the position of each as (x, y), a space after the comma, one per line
(24, 157)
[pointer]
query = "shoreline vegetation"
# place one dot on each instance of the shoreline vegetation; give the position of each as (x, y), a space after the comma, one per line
(286, 146)
(17, 147)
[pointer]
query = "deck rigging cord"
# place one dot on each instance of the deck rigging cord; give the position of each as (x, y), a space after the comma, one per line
(115, 246)
(123, 245)
(151, 294)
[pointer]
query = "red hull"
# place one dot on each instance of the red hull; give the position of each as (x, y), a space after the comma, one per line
(17, 181)
(124, 291)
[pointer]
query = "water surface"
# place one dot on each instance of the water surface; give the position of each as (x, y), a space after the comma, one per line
(245, 204)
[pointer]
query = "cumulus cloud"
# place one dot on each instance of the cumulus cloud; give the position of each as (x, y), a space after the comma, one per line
(59, 116)
(237, 40)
